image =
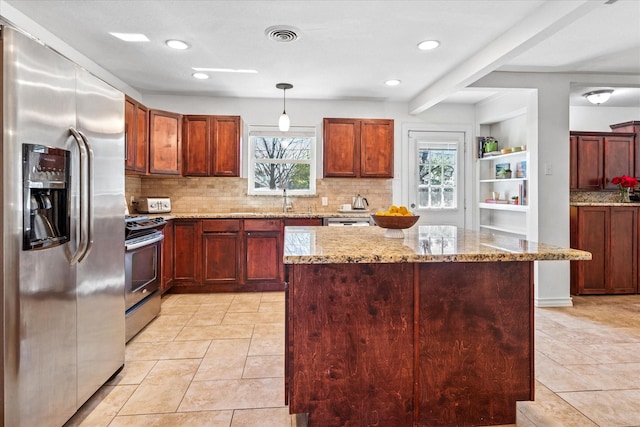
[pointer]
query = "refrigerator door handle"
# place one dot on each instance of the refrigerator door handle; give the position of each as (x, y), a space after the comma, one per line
(83, 181)
(89, 196)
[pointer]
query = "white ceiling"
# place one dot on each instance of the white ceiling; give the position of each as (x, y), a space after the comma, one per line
(346, 49)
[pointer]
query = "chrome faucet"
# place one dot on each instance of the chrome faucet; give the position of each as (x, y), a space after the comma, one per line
(286, 204)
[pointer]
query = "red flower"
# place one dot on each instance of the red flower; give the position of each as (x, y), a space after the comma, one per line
(625, 181)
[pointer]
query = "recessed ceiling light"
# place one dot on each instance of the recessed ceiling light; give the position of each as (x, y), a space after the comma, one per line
(428, 44)
(131, 37)
(392, 82)
(177, 44)
(224, 70)
(201, 76)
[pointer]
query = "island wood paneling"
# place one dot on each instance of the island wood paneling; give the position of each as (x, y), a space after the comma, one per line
(475, 342)
(431, 344)
(351, 335)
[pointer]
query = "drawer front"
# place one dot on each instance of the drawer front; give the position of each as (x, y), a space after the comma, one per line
(214, 225)
(262, 224)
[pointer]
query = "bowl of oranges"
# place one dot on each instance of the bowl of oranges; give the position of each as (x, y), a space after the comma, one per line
(395, 219)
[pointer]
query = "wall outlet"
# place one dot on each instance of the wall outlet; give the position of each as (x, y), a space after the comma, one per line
(325, 201)
(547, 168)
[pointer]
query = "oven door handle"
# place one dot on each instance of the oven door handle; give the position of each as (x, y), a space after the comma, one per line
(137, 245)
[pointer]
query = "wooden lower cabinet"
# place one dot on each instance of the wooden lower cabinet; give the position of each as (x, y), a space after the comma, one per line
(228, 255)
(221, 253)
(610, 233)
(167, 258)
(186, 253)
(263, 267)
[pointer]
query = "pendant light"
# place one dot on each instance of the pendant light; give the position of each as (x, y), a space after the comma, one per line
(284, 122)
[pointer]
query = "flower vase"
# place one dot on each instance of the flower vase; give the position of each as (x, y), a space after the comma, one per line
(624, 195)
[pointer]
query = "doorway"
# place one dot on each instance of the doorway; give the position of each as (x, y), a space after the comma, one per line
(436, 181)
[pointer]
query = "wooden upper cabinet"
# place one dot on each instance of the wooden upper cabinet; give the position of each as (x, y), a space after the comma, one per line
(212, 145)
(225, 140)
(589, 160)
(598, 157)
(634, 128)
(196, 152)
(164, 142)
(341, 142)
(376, 149)
(358, 148)
(618, 159)
(136, 136)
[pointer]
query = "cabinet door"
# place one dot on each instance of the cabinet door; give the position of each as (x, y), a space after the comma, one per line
(164, 142)
(225, 141)
(196, 147)
(589, 162)
(167, 257)
(187, 265)
(263, 252)
(622, 251)
(221, 252)
(618, 158)
(129, 134)
(142, 139)
(593, 236)
(376, 149)
(341, 143)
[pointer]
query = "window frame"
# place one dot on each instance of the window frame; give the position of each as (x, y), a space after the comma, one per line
(274, 132)
(432, 145)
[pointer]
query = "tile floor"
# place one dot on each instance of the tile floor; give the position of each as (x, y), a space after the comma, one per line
(217, 360)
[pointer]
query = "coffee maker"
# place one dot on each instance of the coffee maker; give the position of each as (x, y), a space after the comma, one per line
(46, 216)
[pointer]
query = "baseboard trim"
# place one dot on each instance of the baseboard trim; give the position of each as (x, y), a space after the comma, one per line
(553, 302)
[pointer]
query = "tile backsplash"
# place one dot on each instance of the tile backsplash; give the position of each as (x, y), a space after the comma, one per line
(202, 195)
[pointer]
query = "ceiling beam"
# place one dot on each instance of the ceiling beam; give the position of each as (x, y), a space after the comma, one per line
(551, 17)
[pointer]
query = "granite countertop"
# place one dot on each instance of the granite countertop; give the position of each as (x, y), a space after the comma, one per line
(346, 245)
(274, 214)
(630, 204)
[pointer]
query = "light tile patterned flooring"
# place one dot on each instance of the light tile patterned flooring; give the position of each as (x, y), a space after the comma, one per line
(216, 360)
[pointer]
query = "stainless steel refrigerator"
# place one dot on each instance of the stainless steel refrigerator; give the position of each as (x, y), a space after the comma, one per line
(62, 233)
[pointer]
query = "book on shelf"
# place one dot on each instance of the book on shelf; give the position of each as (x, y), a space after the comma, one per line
(499, 202)
(501, 170)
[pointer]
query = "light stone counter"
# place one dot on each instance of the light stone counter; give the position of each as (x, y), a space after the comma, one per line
(250, 215)
(346, 245)
(629, 204)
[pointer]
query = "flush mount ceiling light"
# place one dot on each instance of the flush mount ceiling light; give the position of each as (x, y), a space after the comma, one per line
(177, 44)
(131, 37)
(200, 76)
(284, 122)
(428, 44)
(392, 82)
(598, 96)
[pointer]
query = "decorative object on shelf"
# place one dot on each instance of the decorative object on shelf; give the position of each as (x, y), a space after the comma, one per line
(521, 169)
(501, 170)
(514, 200)
(625, 184)
(598, 96)
(284, 122)
(490, 144)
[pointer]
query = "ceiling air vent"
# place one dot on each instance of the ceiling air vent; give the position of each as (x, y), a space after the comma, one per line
(282, 33)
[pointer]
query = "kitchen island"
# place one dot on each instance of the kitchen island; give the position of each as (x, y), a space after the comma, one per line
(435, 329)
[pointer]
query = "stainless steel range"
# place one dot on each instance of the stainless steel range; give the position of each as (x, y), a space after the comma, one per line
(143, 251)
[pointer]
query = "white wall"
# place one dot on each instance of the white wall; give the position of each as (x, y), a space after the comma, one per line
(598, 118)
